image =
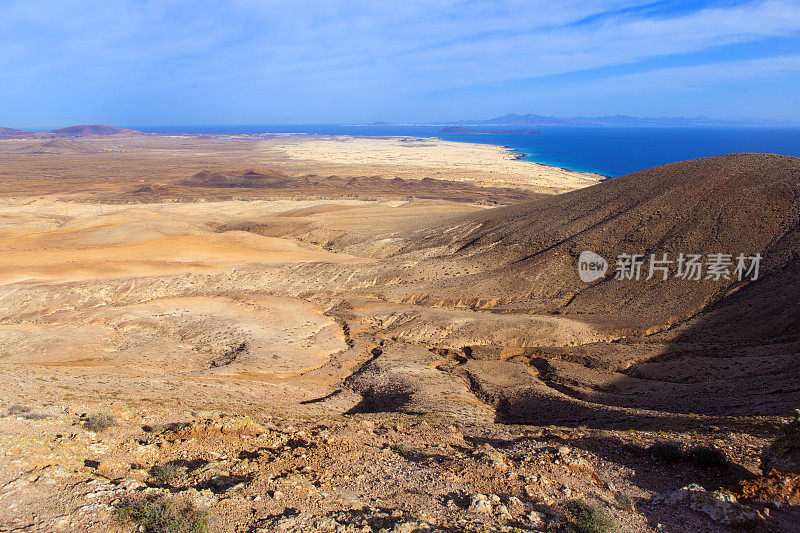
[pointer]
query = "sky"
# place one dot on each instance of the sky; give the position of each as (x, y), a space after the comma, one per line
(204, 62)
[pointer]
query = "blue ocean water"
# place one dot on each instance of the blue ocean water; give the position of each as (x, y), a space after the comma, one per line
(609, 151)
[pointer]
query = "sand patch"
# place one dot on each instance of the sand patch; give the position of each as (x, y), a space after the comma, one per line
(501, 165)
(194, 337)
(75, 242)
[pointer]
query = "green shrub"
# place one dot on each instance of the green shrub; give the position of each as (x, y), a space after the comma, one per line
(18, 409)
(167, 474)
(403, 450)
(99, 422)
(23, 411)
(625, 502)
(588, 517)
(163, 515)
(35, 416)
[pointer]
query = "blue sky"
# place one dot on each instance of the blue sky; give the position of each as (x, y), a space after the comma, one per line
(171, 62)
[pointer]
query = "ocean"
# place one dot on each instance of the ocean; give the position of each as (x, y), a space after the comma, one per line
(610, 151)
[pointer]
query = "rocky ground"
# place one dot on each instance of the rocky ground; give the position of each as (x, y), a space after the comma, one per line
(64, 469)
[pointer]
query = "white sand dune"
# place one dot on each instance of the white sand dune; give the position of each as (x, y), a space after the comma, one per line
(501, 166)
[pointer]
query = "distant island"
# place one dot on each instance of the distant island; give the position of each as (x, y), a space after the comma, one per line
(474, 131)
(514, 119)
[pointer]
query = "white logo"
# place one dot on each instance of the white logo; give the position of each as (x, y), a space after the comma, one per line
(591, 266)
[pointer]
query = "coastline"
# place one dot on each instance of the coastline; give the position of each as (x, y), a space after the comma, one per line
(514, 153)
(483, 164)
(523, 155)
(311, 157)
(606, 151)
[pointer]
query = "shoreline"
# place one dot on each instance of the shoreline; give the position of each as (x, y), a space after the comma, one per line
(522, 155)
(389, 157)
(498, 165)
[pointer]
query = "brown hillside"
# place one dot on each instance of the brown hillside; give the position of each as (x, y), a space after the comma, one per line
(247, 179)
(525, 256)
(716, 348)
(93, 129)
(10, 133)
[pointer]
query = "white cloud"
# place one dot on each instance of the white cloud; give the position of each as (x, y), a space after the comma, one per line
(699, 77)
(353, 49)
(615, 41)
(443, 43)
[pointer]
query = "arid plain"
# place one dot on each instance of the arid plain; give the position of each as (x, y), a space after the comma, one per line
(315, 333)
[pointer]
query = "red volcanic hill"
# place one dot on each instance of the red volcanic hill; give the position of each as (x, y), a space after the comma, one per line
(247, 179)
(93, 129)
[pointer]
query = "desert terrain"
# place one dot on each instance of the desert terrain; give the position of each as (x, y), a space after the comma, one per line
(384, 334)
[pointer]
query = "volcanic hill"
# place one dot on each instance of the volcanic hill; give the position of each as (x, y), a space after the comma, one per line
(93, 130)
(11, 133)
(524, 257)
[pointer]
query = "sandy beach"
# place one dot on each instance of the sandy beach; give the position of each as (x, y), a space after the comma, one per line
(498, 166)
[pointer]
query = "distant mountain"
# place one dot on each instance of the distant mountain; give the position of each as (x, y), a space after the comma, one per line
(514, 119)
(87, 130)
(10, 133)
(93, 129)
(482, 131)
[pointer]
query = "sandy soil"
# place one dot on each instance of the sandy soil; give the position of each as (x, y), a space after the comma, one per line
(80, 241)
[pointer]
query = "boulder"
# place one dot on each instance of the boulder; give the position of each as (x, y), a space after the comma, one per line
(784, 453)
(720, 505)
